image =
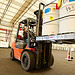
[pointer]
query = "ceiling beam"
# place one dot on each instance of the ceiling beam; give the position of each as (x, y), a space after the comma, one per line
(6, 14)
(24, 12)
(15, 3)
(6, 18)
(12, 6)
(9, 11)
(26, 4)
(6, 8)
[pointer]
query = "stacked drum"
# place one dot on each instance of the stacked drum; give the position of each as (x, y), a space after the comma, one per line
(50, 13)
(65, 24)
(67, 10)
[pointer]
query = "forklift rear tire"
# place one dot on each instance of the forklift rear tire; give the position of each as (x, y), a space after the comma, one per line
(12, 55)
(52, 60)
(27, 60)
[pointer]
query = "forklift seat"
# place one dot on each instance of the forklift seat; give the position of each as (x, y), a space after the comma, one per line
(20, 45)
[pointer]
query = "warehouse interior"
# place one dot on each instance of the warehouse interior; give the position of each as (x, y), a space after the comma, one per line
(57, 35)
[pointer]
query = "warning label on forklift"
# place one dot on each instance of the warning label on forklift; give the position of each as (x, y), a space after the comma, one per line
(60, 37)
(51, 18)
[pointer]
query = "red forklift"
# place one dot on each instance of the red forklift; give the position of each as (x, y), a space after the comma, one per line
(32, 53)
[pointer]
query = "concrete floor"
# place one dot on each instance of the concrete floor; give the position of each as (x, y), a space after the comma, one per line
(60, 67)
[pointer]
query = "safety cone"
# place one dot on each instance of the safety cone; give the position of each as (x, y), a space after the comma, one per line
(69, 55)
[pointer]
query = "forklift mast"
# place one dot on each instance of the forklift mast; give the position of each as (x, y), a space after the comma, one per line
(39, 14)
(43, 58)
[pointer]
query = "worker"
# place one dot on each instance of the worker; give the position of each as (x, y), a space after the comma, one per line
(24, 34)
(19, 37)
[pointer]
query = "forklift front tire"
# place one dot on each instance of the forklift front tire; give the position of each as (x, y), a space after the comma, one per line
(27, 60)
(12, 55)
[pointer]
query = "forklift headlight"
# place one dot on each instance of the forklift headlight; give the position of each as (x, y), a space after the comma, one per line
(33, 45)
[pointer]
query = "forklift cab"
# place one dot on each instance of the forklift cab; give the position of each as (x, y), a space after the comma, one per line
(29, 25)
